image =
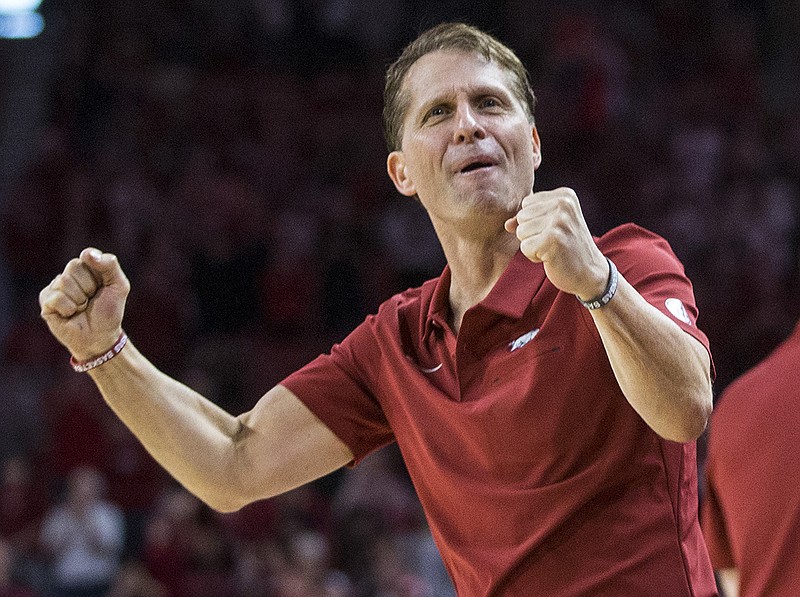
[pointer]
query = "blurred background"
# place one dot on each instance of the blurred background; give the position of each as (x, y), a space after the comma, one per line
(231, 155)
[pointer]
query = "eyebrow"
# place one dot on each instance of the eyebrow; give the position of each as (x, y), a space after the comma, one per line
(480, 91)
(430, 104)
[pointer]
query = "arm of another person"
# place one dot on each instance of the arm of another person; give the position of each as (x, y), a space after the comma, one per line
(716, 526)
(663, 371)
(224, 460)
(729, 581)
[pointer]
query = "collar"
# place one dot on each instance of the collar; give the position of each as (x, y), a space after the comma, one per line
(510, 297)
(435, 299)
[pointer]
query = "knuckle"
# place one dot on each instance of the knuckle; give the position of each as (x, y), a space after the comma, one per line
(564, 203)
(565, 217)
(568, 192)
(528, 246)
(73, 265)
(49, 305)
(48, 291)
(567, 201)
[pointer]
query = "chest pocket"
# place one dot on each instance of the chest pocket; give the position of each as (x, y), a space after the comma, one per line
(536, 408)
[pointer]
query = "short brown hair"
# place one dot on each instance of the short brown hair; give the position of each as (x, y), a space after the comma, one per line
(448, 36)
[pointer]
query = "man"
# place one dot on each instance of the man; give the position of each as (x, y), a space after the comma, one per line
(751, 509)
(550, 442)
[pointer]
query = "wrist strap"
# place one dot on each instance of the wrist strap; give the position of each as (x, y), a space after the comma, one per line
(610, 291)
(83, 366)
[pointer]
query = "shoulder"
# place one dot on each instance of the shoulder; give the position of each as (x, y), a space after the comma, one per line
(760, 405)
(408, 307)
(772, 383)
(632, 237)
(639, 252)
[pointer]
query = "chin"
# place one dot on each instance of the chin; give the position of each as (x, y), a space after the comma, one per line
(495, 203)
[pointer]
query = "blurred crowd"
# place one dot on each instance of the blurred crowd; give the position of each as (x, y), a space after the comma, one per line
(231, 155)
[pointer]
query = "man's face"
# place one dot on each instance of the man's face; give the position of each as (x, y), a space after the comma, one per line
(467, 145)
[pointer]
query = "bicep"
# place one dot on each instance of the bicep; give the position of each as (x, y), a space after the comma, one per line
(281, 445)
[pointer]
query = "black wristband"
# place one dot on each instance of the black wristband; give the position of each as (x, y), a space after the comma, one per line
(610, 291)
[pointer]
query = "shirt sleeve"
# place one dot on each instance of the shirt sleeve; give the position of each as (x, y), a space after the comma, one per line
(336, 387)
(652, 268)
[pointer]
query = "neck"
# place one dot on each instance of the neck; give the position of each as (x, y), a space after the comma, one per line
(477, 258)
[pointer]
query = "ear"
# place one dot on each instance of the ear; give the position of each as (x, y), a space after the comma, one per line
(537, 148)
(398, 172)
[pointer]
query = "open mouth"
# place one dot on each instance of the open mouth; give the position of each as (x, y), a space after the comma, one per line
(476, 166)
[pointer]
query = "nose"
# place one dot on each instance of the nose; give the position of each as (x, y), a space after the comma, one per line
(468, 126)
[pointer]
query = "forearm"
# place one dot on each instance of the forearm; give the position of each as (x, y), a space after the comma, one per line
(188, 435)
(226, 461)
(663, 372)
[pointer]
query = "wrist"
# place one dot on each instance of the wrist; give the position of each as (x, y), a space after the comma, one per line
(87, 363)
(596, 281)
(97, 345)
(608, 292)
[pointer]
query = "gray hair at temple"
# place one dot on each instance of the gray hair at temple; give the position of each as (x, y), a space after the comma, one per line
(448, 36)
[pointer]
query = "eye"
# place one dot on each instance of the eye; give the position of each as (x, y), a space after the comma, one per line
(435, 114)
(489, 102)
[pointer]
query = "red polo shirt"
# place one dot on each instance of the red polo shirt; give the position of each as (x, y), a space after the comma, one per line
(536, 475)
(751, 514)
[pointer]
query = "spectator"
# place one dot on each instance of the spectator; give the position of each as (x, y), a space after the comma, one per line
(23, 502)
(83, 537)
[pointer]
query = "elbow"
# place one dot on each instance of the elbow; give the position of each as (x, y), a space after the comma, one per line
(239, 491)
(222, 503)
(230, 493)
(232, 499)
(704, 407)
(691, 430)
(233, 503)
(225, 507)
(694, 418)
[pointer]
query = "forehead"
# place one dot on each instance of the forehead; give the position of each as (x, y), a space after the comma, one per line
(446, 73)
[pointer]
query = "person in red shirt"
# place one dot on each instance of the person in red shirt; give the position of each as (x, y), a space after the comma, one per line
(545, 391)
(751, 507)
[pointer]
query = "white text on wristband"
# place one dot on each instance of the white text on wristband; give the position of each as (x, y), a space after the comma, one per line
(83, 366)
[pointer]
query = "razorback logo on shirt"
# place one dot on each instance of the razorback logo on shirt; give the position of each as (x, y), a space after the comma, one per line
(522, 340)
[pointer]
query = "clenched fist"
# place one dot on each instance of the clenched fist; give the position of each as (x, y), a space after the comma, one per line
(83, 306)
(552, 230)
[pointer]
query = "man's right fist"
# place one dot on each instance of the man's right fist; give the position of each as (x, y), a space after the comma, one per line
(83, 306)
